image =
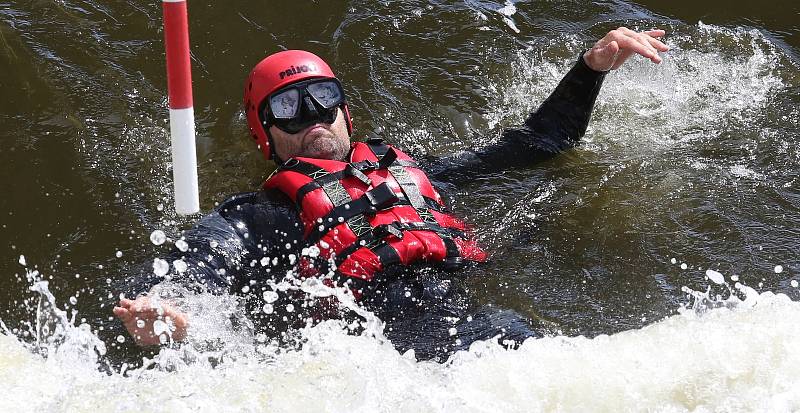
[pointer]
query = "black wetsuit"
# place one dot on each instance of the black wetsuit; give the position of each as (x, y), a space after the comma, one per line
(256, 237)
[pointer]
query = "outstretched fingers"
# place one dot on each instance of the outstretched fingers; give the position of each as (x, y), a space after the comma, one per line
(651, 36)
(618, 45)
(126, 303)
(648, 38)
(635, 42)
(122, 313)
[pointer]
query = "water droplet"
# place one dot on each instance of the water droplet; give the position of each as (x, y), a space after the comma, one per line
(140, 323)
(180, 266)
(73, 300)
(119, 254)
(158, 237)
(452, 331)
(22, 261)
(160, 207)
(794, 283)
(160, 327)
(674, 261)
(246, 289)
(408, 293)
(715, 277)
(469, 318)
(734, 278)
(270, 296)
(268, 309)
(292, 259)
(290, 308)
(778, 269)
(213, 243)
(684, 266)
(160, 267)
(120, 339)
(182, 245)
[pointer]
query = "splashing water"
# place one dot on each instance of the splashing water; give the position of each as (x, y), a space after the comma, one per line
(716, 354)
(700, 87)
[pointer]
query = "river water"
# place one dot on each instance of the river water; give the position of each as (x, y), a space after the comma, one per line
(659, 258)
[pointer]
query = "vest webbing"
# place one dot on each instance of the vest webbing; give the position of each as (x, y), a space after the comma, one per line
(373, 212)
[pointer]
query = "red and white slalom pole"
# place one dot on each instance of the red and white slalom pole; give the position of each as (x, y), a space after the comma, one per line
(181, 110)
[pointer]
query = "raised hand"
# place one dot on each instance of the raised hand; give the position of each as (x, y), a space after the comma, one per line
(610, 52)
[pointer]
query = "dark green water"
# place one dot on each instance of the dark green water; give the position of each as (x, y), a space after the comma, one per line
(695, 160)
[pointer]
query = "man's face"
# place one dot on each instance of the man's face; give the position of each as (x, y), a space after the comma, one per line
(321, 140)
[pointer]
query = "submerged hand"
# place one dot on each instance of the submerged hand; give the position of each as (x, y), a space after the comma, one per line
(151, 324)
(610, 52)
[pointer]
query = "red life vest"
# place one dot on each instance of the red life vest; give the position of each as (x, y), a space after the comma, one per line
(373, 212)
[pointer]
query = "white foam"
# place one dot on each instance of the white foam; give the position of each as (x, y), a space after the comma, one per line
(741, 358)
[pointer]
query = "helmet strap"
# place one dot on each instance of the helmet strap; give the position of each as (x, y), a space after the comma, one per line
(273, 154)
(347, 120)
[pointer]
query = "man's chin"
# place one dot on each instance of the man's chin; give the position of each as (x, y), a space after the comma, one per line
(326, 147)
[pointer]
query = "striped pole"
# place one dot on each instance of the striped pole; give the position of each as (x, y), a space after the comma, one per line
(181, 110)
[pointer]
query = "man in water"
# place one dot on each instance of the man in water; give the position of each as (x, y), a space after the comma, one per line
(362, 215)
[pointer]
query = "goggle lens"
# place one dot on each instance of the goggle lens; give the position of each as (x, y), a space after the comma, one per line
(327, 93)
(285, 104)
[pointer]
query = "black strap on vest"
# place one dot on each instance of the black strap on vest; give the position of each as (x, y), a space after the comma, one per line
(412, 192)
(354, 212)
(321, 177)
(380, 197)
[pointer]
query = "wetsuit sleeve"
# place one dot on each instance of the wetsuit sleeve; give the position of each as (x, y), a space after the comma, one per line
(557, 124)
(224, 246)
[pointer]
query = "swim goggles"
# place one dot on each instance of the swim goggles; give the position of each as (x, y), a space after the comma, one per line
(303, 104)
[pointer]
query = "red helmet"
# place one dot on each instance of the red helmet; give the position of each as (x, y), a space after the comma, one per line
(274, 72)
